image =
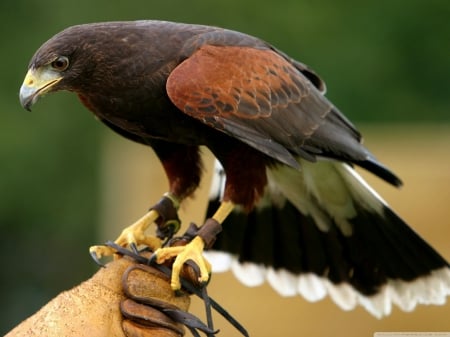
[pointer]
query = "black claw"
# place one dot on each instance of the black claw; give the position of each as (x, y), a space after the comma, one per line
(96, 259)
(179, 292)
(152, 260)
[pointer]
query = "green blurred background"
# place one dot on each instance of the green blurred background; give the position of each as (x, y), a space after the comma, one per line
(383, 62)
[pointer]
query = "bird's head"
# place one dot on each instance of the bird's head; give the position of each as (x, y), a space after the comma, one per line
(64, 62)
(110, 59)
(49, 70)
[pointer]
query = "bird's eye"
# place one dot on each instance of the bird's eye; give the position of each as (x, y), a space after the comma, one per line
(60, 64)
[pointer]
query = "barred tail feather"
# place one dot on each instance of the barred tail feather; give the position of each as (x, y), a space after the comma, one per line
(323, 231)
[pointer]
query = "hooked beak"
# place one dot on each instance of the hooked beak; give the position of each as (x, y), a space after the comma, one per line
(37, 82)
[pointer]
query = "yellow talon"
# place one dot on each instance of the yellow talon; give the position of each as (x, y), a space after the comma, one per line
(134, 234)
(192, 251)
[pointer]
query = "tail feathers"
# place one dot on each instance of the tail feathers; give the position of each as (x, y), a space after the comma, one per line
(372, 165)
(323, 231)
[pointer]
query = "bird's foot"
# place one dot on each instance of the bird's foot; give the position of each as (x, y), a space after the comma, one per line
(182, 254)
(200, 239)
(164, 214)
(132, 235)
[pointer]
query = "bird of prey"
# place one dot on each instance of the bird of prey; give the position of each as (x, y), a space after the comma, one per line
(294, 211)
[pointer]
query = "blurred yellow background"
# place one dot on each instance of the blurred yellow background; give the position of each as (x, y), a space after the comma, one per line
(420, 155)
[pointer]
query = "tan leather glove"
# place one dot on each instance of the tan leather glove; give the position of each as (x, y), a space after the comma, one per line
(94, 307)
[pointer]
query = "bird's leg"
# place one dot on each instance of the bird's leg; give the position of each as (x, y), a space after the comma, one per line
(164, 213)
(204, 238)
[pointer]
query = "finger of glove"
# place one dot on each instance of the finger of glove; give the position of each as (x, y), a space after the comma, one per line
(147, 285)
(148, 317)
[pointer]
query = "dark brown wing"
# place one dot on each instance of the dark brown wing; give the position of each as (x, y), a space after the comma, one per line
(261, 98)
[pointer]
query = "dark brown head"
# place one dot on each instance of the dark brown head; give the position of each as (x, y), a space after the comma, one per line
(81, 59)
(55, 66)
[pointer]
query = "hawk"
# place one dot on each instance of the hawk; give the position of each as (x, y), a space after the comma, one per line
(293, 209)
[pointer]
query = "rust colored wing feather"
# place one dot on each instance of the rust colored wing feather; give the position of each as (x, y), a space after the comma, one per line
(261, 98)
(227, 82)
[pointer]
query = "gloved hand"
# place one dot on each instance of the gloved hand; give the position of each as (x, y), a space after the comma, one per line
(124, 299)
